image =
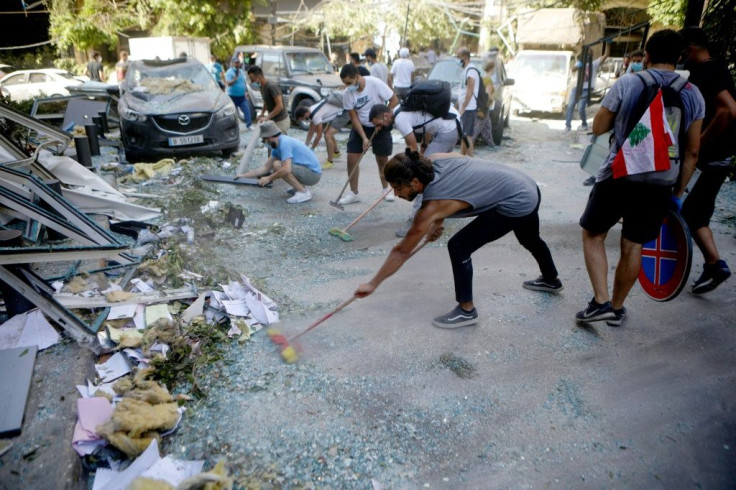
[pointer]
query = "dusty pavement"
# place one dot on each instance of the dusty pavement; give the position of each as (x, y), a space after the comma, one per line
(525, 399)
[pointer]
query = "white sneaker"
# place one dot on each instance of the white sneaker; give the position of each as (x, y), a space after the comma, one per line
(390, 196)
(300, 197)
(349, 198)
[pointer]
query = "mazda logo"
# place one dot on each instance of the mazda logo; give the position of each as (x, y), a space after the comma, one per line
(184, 120)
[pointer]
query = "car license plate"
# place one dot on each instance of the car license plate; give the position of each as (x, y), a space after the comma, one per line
(186, 140)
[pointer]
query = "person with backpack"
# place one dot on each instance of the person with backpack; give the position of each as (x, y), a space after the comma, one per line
(467, 101)
(632, 184)
(500, 200)
(423, 132)
(717, 150)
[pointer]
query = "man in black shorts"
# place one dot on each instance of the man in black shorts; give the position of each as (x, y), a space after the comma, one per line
(360, 95)
(641, 202)
(717, 147)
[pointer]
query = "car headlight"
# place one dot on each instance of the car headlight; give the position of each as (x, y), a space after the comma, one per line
(134, 116)
(324, 92)
(228, 110)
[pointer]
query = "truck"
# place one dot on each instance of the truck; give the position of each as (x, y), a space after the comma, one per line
(169, 47)
(548, 42)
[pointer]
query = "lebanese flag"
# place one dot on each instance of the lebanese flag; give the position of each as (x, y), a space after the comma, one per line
(647, 147)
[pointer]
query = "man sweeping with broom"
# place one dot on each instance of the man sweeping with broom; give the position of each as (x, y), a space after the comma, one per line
(500, 198)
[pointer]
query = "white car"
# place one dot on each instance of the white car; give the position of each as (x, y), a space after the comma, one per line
(28, 84)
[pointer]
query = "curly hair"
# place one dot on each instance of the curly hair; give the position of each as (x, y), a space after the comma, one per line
(404, 167)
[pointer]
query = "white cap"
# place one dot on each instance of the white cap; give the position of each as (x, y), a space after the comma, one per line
(404, 52)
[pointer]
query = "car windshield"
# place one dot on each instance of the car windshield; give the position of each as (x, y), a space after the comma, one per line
(168, 79)
(541, 63)
(308, 63)
(451, 71)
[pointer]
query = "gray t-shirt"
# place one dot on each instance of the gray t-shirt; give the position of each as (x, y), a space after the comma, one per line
(484, 185)
(622, 99)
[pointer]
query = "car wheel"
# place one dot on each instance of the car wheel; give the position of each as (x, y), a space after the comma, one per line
(497, 126)
(305, 102)
(133, 156)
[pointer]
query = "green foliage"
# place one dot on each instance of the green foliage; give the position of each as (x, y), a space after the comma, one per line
(85, 24)
(719, 25)
(227, 22)
(582, 5)
(359, 19)
(93, 23)
(668, 13)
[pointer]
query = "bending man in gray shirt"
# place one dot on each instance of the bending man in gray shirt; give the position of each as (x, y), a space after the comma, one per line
(500, 198)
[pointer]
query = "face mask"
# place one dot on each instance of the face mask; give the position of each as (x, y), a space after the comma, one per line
(354, 88)
(637, 66)
(256, 85)
(273, 144)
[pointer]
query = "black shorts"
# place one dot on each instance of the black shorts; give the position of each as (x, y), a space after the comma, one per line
(698, 208)
(642, 207)
(382, 144)
(468, 120)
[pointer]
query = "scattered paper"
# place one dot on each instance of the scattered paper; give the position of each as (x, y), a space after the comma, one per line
(27, 329)
(119, 480)
(156, 312)
(260, 311)
(91, 412)
(195, 309)
(139, 319)
(236, 307)
(160, 347)
(113, 368)
(90, 389)
(122, 311)
(173, 471)
(149, 465)
(271, 304)
(141, 285)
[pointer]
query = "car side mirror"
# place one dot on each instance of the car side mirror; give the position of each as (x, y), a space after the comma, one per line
(509, 81)
(113, 90)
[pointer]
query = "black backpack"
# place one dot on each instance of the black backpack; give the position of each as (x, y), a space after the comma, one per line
(432, 96)
(482, 100)
(675, 115)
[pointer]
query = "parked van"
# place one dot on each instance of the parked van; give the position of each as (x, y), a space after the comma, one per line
(542, 79)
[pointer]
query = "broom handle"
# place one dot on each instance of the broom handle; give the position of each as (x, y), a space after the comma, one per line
(362, 215)
(340, 307)
(345, 303)
(357, 164)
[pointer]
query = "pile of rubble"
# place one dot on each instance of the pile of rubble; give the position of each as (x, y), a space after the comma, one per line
(121, 290)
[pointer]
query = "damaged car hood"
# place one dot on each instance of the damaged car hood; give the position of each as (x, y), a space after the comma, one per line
(174, 102)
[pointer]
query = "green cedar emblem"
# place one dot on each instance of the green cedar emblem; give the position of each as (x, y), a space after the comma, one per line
(638, 135)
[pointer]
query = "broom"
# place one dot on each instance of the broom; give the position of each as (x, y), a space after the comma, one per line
(343, 234)
(288, 352)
